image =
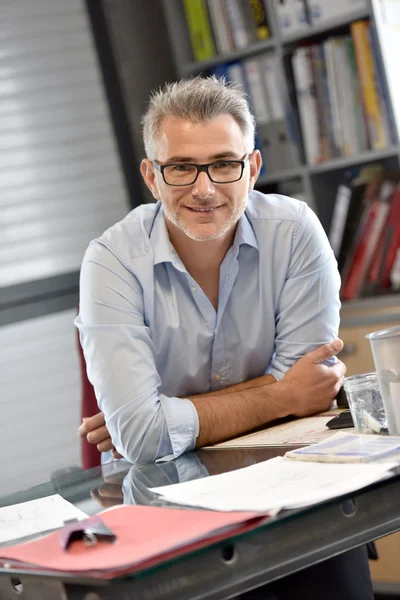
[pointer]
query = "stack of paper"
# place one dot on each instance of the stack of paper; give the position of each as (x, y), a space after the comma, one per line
(36, 516)
(349, 447)
(308, 430)
(145, 536)
(275, 483)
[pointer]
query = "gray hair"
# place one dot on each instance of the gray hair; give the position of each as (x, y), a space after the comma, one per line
(197, 99)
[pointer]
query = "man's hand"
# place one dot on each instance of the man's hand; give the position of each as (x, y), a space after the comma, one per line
(109, 493)
(311, 386)
(96, 432)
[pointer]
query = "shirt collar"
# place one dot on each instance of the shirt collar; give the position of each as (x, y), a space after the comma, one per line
(164, 250)
(245, 233)
(162, 247)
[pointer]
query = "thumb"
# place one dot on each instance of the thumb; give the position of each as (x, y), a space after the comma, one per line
(326, 351)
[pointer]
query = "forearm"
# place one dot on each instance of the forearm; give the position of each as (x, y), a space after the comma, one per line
(231, 413)
(264, 380)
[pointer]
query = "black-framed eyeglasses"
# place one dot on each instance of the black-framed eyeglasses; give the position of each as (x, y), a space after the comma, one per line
(219, 171)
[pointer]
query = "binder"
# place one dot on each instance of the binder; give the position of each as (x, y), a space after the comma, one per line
(236, 74)
(292, 16)
(199, 29)
(321, 11)
(241, 35)
(281, 141)
(220, 26)
(261, 109)
(306, 100)
(146, 536)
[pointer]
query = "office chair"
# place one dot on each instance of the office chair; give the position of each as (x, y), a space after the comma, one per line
(91, 457)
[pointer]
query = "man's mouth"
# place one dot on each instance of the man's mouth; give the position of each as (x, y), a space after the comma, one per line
(203, 209)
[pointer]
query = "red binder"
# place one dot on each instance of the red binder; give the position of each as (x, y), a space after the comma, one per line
(145, 537)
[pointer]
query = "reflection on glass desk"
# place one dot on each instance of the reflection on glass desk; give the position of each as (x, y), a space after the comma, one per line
(291, 541)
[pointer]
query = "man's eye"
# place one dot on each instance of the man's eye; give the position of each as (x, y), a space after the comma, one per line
(182, 167)
(223, 164)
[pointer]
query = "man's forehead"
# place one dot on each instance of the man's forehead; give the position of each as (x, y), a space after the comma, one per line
(185, 138)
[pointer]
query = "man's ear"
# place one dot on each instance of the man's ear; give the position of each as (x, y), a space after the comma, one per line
(255, 164)
(148, 174)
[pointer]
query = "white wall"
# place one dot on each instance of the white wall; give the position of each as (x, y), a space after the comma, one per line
(60, 178)
(40, 398)
(61, 185)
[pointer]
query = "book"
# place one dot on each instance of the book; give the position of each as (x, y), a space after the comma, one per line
(381, 86)
(355, 92)
(348, 447)
(376, 213)
(385, 251)
(359, 181)
(339, 216)
(365, 68)
(199, 29)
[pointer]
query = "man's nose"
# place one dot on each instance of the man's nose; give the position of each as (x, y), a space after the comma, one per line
(203, 186)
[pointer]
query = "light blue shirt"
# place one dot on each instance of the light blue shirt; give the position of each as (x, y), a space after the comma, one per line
(151, 337)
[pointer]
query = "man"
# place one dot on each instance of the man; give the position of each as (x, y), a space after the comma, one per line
(215, 310)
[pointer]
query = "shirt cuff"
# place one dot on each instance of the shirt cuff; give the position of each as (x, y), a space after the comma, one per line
(182, 422)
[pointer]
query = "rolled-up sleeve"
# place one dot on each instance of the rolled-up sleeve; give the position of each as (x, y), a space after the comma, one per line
(143, 423)
(309, 305)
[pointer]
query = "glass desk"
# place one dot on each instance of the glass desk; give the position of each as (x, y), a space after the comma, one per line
(291, 541)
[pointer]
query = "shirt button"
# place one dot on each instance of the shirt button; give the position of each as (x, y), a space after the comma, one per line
(194, 288)
(217, 377)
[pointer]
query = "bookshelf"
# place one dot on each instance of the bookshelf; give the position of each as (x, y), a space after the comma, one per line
(355, 138)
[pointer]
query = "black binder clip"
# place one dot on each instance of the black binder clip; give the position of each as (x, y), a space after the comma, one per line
(91, 531)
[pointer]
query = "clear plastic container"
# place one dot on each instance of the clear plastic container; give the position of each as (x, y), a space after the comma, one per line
(365, 403)
(385, 346)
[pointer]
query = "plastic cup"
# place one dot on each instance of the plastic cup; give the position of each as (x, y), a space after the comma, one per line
(365, 403)
(385, 346)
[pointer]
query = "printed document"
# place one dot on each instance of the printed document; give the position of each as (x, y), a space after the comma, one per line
(351, 447)
(276, 483)
(28, 518)
(309, 430)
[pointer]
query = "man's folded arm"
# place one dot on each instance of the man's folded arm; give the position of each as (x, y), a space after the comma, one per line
(308, 307)
(144, 425)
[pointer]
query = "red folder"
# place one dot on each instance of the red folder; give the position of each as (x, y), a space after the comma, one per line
(146, 536)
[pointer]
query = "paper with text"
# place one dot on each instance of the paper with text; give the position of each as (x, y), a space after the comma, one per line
(36, 516)
(275, 483)
(309, 430)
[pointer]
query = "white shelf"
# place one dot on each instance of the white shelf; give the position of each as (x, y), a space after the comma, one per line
(206, 65)
(330, 24)
(349, 161)
(279, 176)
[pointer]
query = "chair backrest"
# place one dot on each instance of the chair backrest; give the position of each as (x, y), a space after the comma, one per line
(91, 457)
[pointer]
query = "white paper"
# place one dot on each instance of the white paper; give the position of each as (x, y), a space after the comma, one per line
(36, 516)
(350, 447)
(275, 483)
(309, 430)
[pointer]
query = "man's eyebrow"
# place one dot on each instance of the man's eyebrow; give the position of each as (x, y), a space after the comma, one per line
(190, 159)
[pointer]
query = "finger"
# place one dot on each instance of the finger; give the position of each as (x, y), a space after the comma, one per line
(90, 423)
(110, 490)
(324, 352)
(98, 435)
(105, 445)
(341, 368)
(116, 454)
(338, 369)
(104, 502)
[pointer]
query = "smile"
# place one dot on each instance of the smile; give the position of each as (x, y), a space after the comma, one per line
(209, 209)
